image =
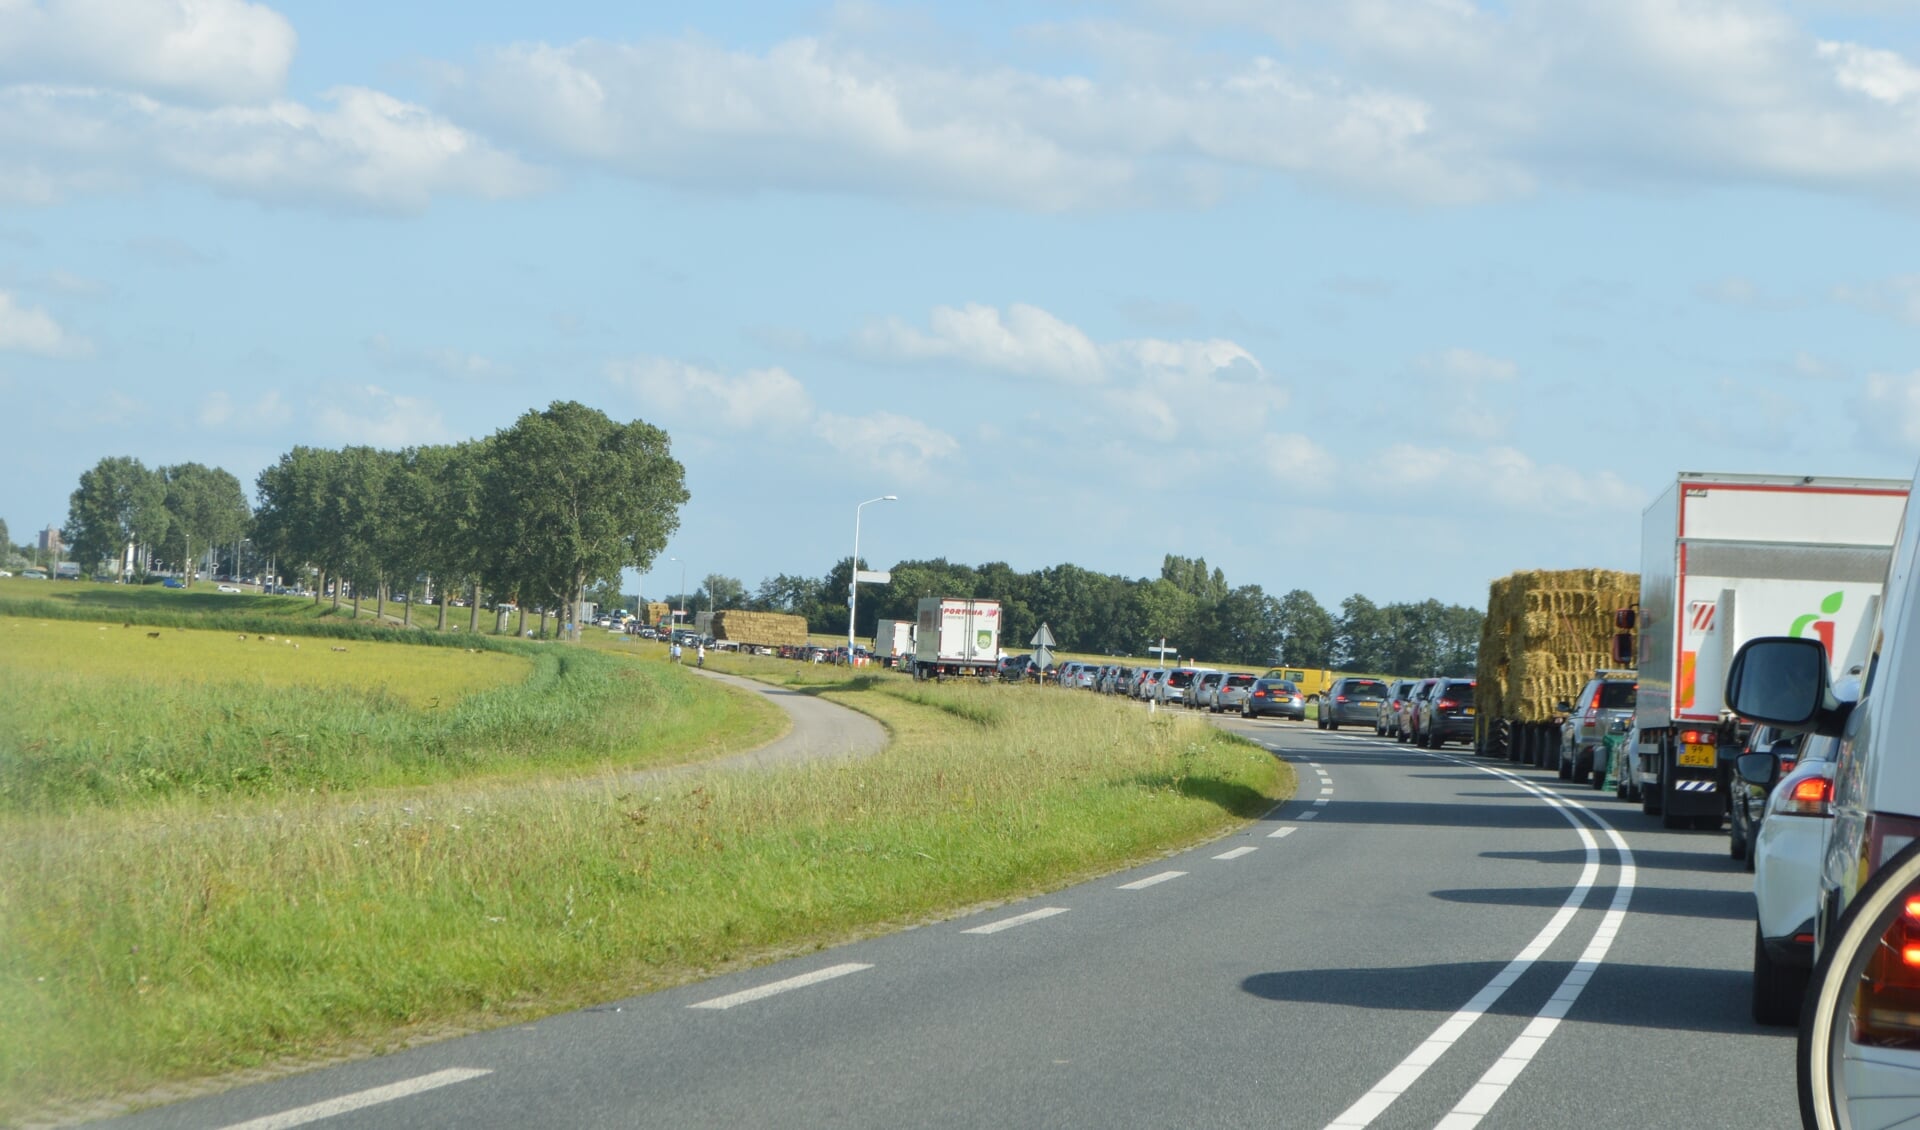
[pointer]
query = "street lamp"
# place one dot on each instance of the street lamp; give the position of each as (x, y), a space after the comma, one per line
(853, 568)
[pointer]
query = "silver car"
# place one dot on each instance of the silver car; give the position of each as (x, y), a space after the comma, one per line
(1232, 692)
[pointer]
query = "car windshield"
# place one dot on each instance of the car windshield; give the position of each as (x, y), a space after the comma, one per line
(1366, 688)
(1461, 693)
(1239, 680)
(1180, 678)
(1618, 696)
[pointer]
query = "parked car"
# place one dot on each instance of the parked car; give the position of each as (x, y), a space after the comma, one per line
(1351, 702)
(1232, 691)
(1387, 724)
(1148, 688)
(1410, 712)
(173, 583)
(1174, 686)
(1785, 859)
(1607, 698)
(1115, 680)
(1747, 794)
(1446, 714)
(1277, 697)
(1200, 697)
(227, 588)
(33, 574)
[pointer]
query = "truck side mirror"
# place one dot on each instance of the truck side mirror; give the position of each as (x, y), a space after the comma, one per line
(1779, 680)
(1760, 769)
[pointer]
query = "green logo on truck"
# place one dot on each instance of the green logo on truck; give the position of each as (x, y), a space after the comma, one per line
(1820, 627)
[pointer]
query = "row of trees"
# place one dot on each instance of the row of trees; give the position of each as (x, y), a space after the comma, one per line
(171, 513)
(1189, 604)
(538, 512)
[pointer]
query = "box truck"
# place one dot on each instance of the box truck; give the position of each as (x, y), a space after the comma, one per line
(1726, 558)
(956, 636)
(893, 642)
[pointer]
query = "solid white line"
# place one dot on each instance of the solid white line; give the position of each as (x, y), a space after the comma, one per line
(1017, 920)
(1280, 833)
(747, 996)
(1151, 880)
(1396, 1082)
(361, 1099)
(1493, 1085)
(1236, 853)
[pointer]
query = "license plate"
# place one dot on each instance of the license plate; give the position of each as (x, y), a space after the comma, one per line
(1699, 755)
(1469, 711)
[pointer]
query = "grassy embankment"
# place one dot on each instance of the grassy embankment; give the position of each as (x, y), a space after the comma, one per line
(156, 935)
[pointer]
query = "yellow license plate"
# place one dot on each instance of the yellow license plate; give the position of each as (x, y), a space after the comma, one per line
(1469, 710)
(1699, 755)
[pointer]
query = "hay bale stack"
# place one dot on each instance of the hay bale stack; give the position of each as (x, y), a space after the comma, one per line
(658, 610)
(767, 629)
(1545, 634)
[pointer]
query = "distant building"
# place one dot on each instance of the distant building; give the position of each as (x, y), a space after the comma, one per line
(50, 543)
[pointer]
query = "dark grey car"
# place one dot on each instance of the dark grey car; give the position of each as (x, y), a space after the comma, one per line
(1351, 702)
(1607, 698)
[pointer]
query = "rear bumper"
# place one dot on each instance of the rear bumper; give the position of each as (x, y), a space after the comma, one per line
(1456, 727)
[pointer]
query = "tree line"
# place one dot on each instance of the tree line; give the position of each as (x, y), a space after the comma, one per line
(539, 512)
(1191, 606)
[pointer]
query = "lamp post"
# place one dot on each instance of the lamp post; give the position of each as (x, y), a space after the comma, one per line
(683, 597)
(853, 569)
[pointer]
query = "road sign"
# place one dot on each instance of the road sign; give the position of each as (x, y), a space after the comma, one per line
(1042, 658)
(1043, 637)
(872, 577)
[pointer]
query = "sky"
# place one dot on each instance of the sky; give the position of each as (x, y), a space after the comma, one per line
(1384, 296)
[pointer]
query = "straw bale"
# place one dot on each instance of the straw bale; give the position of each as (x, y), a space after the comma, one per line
(657, 611)
(769, 629)
(1545, 633)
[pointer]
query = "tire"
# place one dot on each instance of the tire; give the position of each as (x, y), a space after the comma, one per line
(1599, 775)
(1826, 1015)
(1437, 740)
(1623, 787)
(1778, 990)
(1564, 766)
(1650, 801)
(1400, 735)
(1737, 849)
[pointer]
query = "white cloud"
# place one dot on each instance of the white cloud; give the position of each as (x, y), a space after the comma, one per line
(1025, 341)
(1888, 411)
(369, 414)
(1504, 477)
(1897, 297)
(1880, 75)
(1468, 365)
(199, 50)
(367, 149)
(218, 409)
(900, 446)
(774, 404)
(32, 330)
(1296, 461)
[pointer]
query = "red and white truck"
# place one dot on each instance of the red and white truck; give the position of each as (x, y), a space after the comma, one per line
(1727, 558)
(956, 636)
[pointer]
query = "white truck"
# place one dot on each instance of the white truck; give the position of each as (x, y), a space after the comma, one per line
(956, 636)
(1725, 559)
(892, 642)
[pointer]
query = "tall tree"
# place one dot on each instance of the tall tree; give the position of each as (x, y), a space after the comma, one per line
(295, 519)
(1307, 631)
(718, 591)
(576, 497)
(1363, 639)
(118, 502)
(205, 506)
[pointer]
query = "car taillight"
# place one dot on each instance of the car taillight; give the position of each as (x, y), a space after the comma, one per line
(1448, 704)
(1812, 796)
(1259, 694)
(1339, 698)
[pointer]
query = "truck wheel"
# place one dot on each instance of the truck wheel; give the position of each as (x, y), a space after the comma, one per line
(1778, 990)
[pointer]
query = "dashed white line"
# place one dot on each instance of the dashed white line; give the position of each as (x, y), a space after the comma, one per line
(1017, 920)
(746, 996)
(1327, 791)
(1236, 853)
(1308, 814)
(1280, 833)
(1321, 801)
(1151, 880)
(359, 1100)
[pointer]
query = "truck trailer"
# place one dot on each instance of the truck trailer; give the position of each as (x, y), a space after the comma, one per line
(956, 636)
(893, 642)
(1725, 559)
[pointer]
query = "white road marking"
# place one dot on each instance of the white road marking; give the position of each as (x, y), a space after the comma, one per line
(1315, 764)
(1396, 1082)
(361, 1099)
(1017, 920)
(1328, 791)
(747, 996)
(1280, 833)
(1493, 1085)
(1321, 801)
(1151, 880)
(1308, 814)
(1236, 853)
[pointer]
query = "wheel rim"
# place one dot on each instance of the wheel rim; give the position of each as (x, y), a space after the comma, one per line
(1860, 1045)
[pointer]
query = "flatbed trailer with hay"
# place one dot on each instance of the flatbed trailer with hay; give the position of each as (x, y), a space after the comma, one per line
(1725, 559)
(1546, 633)
(758, 630)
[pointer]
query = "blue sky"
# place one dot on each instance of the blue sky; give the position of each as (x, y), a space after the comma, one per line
(1391, 296)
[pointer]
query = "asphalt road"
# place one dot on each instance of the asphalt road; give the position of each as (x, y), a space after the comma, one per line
(1416, 940)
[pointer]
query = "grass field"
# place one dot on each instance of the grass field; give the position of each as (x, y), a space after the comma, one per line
(188, 936)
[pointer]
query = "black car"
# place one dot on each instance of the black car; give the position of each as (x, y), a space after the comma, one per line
(1748, 801)
(1446, 714)
(1276, 697)
(1351, 702)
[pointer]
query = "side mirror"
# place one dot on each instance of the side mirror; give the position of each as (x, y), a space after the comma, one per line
(1779, 680)
(1563, 706)
(1761, 769)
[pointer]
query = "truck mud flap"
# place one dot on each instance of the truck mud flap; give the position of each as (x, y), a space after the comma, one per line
(1695, 797)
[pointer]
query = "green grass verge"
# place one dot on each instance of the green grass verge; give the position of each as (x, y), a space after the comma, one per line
(186, 938)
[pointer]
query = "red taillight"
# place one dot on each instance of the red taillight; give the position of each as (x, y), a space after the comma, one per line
(1339, 698)
(1812, 796)
(1448, 704)
(1259, 694)
(1696, 737)
(1813, 790)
